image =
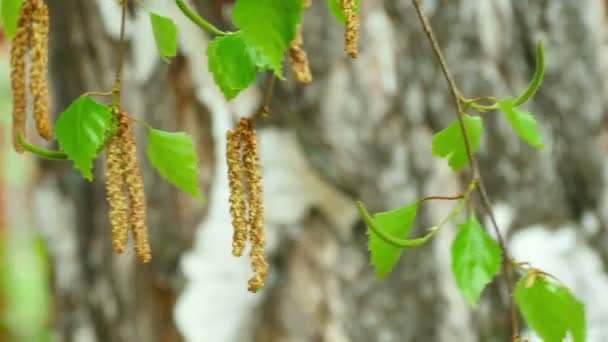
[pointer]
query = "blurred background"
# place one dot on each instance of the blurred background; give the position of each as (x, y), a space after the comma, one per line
(361, 130)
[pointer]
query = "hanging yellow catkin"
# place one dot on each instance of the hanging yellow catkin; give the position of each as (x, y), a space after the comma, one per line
(238, 211)
(19, 48)
(299, 60)
(307, 4)
(351, 34)
(251, 164)
(135, 187)
(39, 68)
(116, 194)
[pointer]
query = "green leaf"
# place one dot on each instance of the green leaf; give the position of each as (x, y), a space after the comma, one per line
(476, 259)
(523, 122)
(550, 309)
(10, 15)
(231, 64)
(80, 132)
(449, 143)
(537, 79)
(396, 223)
(165, 35)
(336, 10)
(269, 26)
(173, 155)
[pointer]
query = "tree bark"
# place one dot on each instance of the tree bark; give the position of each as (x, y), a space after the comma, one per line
(362, 130)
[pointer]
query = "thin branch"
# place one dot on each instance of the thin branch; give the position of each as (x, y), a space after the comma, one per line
(264, 109)
(198, 20)
(121, 54)
(508, 269)
(441, 198)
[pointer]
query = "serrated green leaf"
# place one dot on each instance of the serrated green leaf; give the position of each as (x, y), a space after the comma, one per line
(165, 35)
(10, 15)
(396, 223)
(537, 79)
(476, 259)
(550, 309)
(336, 10)
(269, 26)
(231, 64)
(449, 143)
(173, 155)
(80, 132)
(523, 122)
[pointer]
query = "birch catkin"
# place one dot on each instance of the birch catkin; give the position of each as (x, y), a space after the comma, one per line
(299, 60)
(116, 194)
(39, 67)
(251, 164)
(238, 210)
(19, 49)
(351, 34)
(135, 188)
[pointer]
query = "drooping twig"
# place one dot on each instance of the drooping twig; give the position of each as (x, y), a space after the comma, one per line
(508, 269)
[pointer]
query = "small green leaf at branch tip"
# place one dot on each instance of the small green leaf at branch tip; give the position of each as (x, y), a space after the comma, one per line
(537, 79)
(268, 27)
(165, 35)
(172, 154)
(550, 308)
(523, 123)
(387, 232)
(10, 14)
(337, 12)
(80, 131)
(449, 143)
(476, 259)
(231, 65)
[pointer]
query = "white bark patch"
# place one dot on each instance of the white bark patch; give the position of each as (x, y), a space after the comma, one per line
(51, 212)
(564, 254)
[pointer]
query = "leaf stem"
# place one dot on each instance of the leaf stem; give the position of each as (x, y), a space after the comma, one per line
(198, 20)
(41, 152)
(507, 269)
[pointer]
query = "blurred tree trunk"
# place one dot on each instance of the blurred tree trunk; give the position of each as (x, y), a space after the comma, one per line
(101, 296)
(361, 130)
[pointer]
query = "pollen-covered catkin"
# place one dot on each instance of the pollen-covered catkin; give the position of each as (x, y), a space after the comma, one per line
(116, 194)
(299, 60)
(39, 67)
(135, 187)
(238, 210)
(20, 45)
(351, 34)
(251, 163)
(307, 4)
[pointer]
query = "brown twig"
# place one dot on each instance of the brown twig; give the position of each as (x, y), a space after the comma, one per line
(507, 267)
(441, 198)
(264, 109)
(121, 54)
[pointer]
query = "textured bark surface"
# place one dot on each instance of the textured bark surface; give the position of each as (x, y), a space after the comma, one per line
(361, 130)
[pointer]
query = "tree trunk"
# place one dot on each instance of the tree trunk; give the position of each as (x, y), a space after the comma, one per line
(361, 130)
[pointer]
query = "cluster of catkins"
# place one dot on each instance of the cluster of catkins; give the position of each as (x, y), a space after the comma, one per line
(246, 198)
(125, 189)
(32, 35)
(351, 35)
